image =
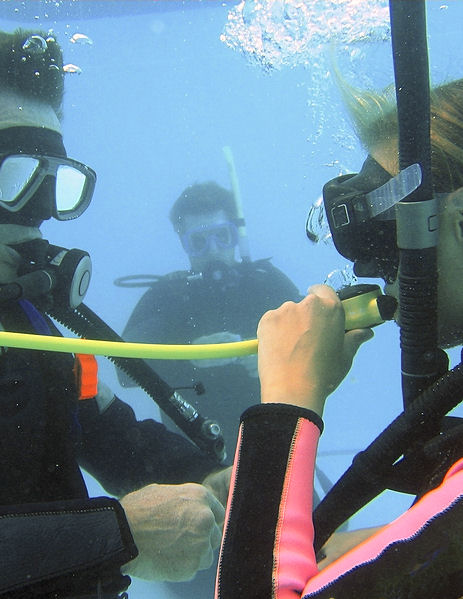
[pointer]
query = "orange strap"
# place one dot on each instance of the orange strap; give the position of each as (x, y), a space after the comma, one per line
(86, 373)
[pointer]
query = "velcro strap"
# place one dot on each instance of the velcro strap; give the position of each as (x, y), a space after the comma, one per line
(71, 541)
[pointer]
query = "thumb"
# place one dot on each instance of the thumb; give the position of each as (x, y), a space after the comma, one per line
(355, 338)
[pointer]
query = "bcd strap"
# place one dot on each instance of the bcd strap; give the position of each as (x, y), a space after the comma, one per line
(86, 375)
(64, 549)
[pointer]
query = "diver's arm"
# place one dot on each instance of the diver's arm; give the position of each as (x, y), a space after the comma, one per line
(124, 454)
(268, 537)
(304, 354)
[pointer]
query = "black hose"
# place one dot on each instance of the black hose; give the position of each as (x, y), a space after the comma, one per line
(368, 475)
(204, 432)
(418, 254)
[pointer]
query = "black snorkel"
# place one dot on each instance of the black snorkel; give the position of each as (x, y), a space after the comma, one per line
(416, 215)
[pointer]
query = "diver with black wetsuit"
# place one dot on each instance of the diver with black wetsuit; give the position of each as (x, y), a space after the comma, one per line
(55, 417)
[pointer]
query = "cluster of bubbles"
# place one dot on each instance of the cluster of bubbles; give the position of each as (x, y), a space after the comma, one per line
(36, 44)
(277, 33)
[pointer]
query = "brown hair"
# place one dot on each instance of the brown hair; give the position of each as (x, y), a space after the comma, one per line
(201, 198)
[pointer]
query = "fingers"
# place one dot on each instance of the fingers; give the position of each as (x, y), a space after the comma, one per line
(216, 508)
(324, 291)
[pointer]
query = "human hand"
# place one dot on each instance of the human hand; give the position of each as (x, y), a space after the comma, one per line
(304, 352)
(340, 543)
(218, 484)
(175, 528)
(219, 337)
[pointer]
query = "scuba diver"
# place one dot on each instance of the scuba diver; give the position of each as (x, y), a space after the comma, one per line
(54, 414)
(220, 299)
(273, 546)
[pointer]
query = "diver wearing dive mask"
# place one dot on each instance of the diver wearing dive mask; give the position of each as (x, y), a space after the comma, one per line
(38, 182)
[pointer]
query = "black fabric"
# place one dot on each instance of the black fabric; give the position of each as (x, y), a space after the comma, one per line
(38, 422)
(267, 435)
(97, 531)
(124, 454)
(179, 309)
(31, 140)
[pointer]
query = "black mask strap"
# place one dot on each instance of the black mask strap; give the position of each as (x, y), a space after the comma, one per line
(31, 140)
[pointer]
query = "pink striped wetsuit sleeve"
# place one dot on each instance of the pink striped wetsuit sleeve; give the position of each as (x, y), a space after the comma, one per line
(267, 548)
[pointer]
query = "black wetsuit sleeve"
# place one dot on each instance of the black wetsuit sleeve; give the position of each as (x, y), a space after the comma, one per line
(124, 454)
(62, 549)
(270, 505)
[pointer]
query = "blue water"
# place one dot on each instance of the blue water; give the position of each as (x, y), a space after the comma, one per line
(158, 96)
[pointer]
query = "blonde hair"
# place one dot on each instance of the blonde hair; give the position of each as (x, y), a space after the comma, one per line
(374, 118)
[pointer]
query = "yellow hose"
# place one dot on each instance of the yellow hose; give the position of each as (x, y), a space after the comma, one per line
(128, 350)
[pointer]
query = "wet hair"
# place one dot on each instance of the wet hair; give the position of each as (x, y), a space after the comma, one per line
(374, 116)
(31, 64)
(201, 198)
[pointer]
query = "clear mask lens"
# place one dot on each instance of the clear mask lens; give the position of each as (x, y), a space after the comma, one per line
(70, 186)
(16, 175)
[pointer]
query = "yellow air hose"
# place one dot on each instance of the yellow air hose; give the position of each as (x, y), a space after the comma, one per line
(117, 349)
(361, 311)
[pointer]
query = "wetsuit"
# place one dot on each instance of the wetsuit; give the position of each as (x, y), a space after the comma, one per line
(267, 550)
(54, 540)
(182, 306)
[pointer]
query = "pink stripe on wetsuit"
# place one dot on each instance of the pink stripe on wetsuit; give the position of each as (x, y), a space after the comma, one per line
(267, 550)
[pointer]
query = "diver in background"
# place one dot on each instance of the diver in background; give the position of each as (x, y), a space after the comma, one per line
(218, 300)
(304, 353)
(54, 539)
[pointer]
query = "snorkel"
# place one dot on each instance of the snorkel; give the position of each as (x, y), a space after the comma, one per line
(243, 241)
(416, 215)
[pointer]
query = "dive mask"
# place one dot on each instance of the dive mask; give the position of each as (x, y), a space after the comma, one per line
(197, 240)
(37, 179)
(21, 175)
(360, 210)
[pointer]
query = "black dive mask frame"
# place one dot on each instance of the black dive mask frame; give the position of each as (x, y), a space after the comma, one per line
(366, 240)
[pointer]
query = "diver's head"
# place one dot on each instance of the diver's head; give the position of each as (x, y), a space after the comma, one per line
(37, 180)
(204, 218)
(370, 242)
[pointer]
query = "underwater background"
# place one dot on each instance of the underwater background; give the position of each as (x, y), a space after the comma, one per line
(156, 89)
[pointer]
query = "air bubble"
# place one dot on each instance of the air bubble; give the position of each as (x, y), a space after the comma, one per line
(35, 44)
(80, 38)
(72, 69)
(341, 277)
